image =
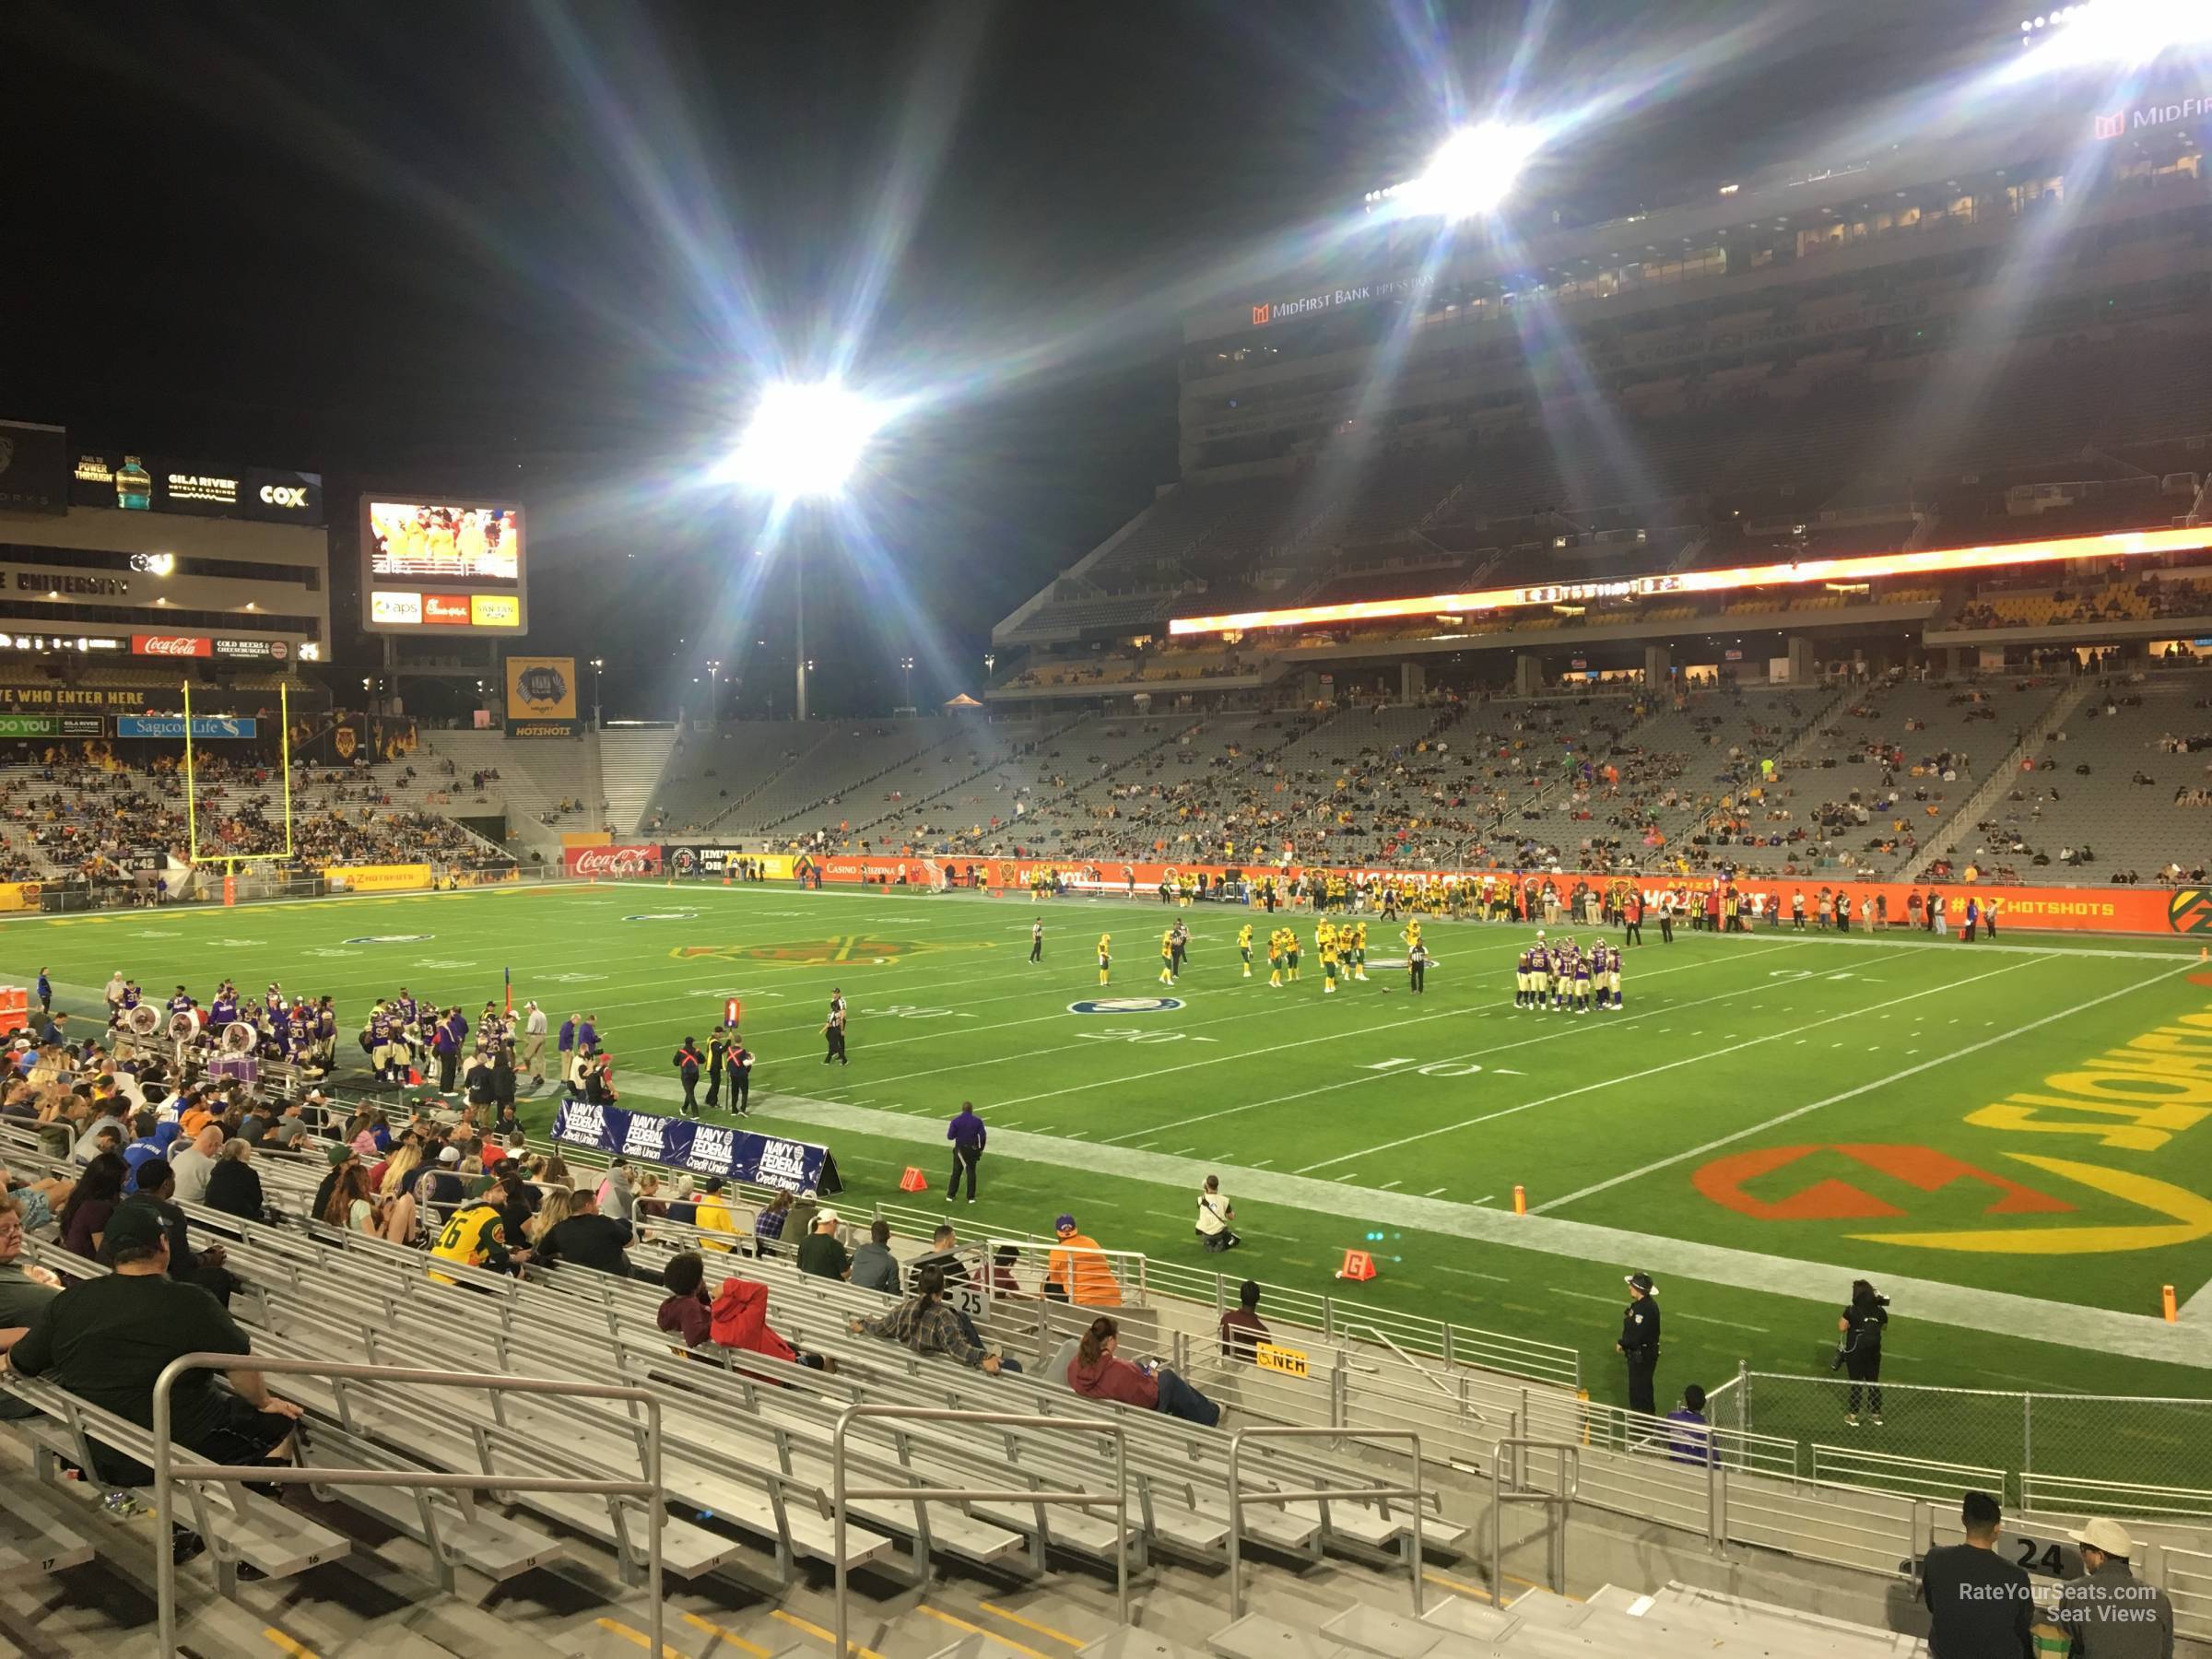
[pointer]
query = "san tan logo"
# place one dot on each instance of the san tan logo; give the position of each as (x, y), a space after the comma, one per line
(2183, 1217)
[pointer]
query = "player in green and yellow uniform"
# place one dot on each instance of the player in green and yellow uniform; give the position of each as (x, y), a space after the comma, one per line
(1360, 952)
(1245, 948)
(1105, 956)
(1167, 957)
(1290, 952)
(1328, 964)
(1275, 959)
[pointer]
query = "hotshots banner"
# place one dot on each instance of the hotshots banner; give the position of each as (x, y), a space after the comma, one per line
(600, 863)
(541, 697)
(703, 1148)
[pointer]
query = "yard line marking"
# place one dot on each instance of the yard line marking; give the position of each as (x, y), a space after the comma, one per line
(1853, 1094)
(1637, 1076)
(1389, 1186)
(1496, 1278)
(1432, 1193)
(1544, 1036)
(1732, 1325)
(1584, 1296)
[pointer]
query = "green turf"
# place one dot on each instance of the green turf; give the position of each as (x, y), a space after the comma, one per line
(1455, 1096)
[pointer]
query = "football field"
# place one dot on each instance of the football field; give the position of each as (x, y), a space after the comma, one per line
(2010, 1137)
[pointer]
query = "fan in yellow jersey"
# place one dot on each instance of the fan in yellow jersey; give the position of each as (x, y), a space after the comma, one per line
(1360, 952)
(1275, 959)
(1245, 948)
(1105, 956)
(475, 1237)
(1167, 957)
(1290, 952)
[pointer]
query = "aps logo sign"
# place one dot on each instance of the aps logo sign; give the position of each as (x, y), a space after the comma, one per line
(1126, 1004)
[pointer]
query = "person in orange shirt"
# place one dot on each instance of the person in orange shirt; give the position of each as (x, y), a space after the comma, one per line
(1078, 1272)
(196, 1118)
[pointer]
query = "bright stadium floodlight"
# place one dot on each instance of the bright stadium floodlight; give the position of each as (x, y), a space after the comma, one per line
(2130, 32)
(805, 439)
(1473, 171)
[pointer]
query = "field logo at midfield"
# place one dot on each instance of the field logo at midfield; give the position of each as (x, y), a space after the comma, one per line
(1126, 1004)
(389, 938)
(663, 916)
(2190, 910)
(863, 948)
(2185, 1215)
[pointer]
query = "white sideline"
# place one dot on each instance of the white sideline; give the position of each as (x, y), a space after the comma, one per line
(1653, 1071)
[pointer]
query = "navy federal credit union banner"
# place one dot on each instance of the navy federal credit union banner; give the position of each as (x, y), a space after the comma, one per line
(703, 1148)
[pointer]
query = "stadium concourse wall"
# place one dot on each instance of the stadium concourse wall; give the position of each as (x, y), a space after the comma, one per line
(2185, 910)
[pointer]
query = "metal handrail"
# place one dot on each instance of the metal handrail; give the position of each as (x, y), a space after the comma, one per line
(1506, 1475)
(841, 1496)
(167, 1472)
(1434, 1381)
(1322, 1495)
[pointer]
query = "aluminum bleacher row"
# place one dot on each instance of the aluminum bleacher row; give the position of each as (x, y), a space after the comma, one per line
(745, 1451)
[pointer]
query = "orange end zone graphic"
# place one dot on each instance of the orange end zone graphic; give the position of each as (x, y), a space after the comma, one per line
(1833, 1199)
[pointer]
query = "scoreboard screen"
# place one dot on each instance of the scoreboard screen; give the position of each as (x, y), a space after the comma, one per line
(428, 566)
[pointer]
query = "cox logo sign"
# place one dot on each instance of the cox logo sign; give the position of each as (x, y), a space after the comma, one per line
(283, 495)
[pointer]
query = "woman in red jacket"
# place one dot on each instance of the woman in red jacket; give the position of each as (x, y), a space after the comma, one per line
(1097, 1374)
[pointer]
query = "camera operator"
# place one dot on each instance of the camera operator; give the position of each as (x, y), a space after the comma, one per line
(1859, 1353)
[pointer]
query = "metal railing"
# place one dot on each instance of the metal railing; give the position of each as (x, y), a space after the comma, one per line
(843, 1496)
(1506, 1488)
(168, 1471)
(2152, 1455)
(1322, 1495)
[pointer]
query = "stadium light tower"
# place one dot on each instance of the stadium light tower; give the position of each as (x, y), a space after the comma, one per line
(803, 441)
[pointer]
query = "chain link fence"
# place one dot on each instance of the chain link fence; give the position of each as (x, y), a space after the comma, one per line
(2148, 1457)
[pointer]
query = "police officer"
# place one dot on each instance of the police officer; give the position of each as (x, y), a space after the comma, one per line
(834, 1029)
(1639, 1342)
(1417, 968)
(687, 1063)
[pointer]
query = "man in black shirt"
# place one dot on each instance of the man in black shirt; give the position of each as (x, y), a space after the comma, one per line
(107, 1340)
(588, 1237)
(687, 1061)
(1639, 1342)
(156, 1189)
(718, 1049)
(1978, 1602)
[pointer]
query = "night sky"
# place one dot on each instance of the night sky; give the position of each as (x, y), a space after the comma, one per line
(546, 251)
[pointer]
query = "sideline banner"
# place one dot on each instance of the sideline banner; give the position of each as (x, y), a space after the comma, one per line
(601, 863)
(692, 859)
(377, 879)
(2128, 910)
(703, 1148)
(20, 895)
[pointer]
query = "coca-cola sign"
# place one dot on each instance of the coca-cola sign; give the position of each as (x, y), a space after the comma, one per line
(173, 645)
(599, 864)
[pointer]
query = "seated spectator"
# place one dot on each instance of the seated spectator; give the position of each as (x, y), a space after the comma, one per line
(25, 1288)
(944, 1254)
(234, 1185)
(821, 1252)
(1078, 1271)
(1099, 1373)
(106, 1340)
(92, 1203)
(193, 1161)
(874, 1266)
(1692, 1443)
(740, 1321)
(40, 1199)
(685, 1312)
(2108, 1610)
(714, 1215)
(1241, 1327)
(186, 1266)
(768, 1226)
(587, 1238)
(1978, 1602)
(925, 1323)
(350, 1208)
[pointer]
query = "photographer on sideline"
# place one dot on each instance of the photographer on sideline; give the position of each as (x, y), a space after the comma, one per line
(1860, 1352)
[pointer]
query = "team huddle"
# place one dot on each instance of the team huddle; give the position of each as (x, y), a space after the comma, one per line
(1568, 975)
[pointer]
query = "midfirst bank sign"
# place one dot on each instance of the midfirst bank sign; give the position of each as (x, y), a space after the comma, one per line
(2121, 123)
(1282, 310)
